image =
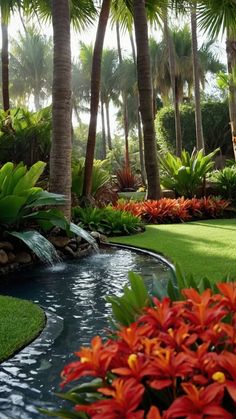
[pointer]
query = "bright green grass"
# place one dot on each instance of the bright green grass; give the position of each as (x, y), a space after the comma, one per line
(20, 322)
(204, 248)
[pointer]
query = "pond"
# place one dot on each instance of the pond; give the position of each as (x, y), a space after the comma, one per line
(73, 295)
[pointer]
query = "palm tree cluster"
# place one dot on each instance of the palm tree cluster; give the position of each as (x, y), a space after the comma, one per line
(172, 70)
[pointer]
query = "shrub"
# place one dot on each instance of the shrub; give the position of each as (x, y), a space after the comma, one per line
(168, 210)
(25, 136)
(216, 129)
(186, 174)
(177, 360)
(126, 180)
(226, 182)
(107, 220)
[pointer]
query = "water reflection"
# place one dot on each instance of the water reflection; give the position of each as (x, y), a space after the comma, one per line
(73, 295)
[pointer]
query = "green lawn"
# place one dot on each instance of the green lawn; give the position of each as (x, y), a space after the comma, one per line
(20, 322)
(203, 248)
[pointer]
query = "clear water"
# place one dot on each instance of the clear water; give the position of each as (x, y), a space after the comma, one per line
(73, 295)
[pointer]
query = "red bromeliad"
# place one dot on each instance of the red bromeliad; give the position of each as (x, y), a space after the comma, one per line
(176, 361)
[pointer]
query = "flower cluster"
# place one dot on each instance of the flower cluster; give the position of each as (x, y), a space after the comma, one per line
(168, 210)
(178, 360)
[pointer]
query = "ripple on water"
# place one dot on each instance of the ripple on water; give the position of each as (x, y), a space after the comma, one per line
(74, 296)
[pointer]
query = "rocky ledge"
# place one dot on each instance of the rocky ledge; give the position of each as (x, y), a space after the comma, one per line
(15, 256)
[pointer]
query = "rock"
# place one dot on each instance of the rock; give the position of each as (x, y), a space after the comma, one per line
(11, 257)
(168, 193)
(23, 257)
(69, 251)
(73, 246)
(6, 246)
(3, 257)
(59, 241)
(78, 239)
(98, 236)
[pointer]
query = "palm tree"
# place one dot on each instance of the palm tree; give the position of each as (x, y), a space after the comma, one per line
(60, 157)
(7, 7)
(95, 90)
(217, 17)
(146, 101)
(108, 84)
(31, 65)
(196, 80)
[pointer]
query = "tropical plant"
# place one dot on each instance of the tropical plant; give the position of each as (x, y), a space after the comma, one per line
(22, 205)
(126, 180)
(107, 221)
(100, 177)
(25, 136)
(176, 360)
(186, 174)
(168, 210)
(226, 182)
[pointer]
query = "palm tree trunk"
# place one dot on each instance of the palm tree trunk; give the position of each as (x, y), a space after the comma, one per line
(95, 89)
(170, 46)
(140, 135)
(124, 99)
(103, 131)
(231, 59)
(60, 157)
(196, 81)
(108, 126)
(5, 67)
(145, 96)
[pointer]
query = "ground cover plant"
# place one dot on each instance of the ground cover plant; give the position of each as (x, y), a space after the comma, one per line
(21, 322)
(107, 220)
(167, 210)
(203, 248)
(176, 360)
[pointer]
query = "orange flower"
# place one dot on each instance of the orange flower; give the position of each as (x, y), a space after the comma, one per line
(125, 397)
(94, 361)
(199, 404)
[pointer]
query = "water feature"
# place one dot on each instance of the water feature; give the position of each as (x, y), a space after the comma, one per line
(73, 294)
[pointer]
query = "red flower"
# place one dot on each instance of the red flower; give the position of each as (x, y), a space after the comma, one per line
(161, 317)
(94, 361)
(229, 292)
(125, 397)
(199, 404)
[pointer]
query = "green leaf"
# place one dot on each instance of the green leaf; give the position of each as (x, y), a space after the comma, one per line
(30, 178)
(10, 207)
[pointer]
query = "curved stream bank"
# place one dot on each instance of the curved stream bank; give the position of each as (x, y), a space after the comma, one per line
(73, 295)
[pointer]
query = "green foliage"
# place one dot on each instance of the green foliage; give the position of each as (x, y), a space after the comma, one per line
(125, 309)
(185, 174)
(216, 129)
(107, 220)
(25, 136)
(226, 182)
(100, 177)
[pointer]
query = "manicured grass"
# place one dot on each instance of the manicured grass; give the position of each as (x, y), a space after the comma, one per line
(203, 248)
(20, 322)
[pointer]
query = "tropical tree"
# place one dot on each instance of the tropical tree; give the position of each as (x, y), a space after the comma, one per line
(95, 90)
(108, 84)
(60, 157)
(7, 8)
(31, 65)
(146, 101)
(217, 17)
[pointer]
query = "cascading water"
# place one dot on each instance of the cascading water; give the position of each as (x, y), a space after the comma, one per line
(45, 251)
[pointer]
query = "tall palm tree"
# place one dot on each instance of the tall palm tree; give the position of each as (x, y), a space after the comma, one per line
(7, 8)
(146, 101)
(196, 80)
(217, 17)
(31, 65)
(60, 157)
(95, 90)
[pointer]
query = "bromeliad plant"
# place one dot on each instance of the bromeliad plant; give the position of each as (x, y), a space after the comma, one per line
(168, 210)
(177, 360)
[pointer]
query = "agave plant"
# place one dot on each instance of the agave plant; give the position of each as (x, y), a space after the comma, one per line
(22, 203)
(186, 174)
